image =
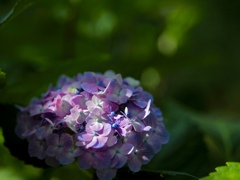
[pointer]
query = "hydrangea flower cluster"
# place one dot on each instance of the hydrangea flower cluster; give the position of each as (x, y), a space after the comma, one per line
(102, 120)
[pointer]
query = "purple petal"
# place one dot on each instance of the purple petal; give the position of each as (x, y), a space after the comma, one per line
(134, 163)
(142, 98)
(106, 174)
(85, 137)
(146, 111)
(36, 148)
(52, 139)
(97, 126)
(125, 94)
(85, 161)
(66, 158)
(126, 148)
(106, 130)
(93, 142)
(122, 159)
(89, 87)
(52, 150)
(138, 126)
(63, 108)
(147, 128)
(66, 141)
(103, 160)
(79, 100)
(111, 141)
(36, 109)
(101, 141)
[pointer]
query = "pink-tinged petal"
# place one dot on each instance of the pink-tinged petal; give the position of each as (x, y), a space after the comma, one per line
(97, 126)
(127, 148)
(106, 174)
(111, 141)
(134, 163)
(106, 129)
(79, 100)
(125, 130)
(75, 112)
(63, 108)
(101, 141)
(81, 118)
(92, 143)
(85, 137)
(124, 122)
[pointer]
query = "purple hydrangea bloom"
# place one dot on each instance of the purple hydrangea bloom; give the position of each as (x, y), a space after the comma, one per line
(103, 121)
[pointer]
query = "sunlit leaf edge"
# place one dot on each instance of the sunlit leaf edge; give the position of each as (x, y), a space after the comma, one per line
(229, 172)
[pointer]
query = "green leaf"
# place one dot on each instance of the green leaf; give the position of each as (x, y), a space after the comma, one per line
(229, 172)
(71, 171)
(221, 132)
(2, 78)
(19, 6)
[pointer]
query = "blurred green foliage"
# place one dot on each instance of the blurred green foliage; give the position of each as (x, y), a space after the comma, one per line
(186, 53)
(2, 79)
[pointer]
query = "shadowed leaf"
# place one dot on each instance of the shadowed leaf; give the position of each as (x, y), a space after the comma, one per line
(19, 6)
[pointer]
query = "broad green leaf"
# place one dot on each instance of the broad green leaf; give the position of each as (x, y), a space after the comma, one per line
(71, 171)
(2, 78)
(229, 172)
(19, 6)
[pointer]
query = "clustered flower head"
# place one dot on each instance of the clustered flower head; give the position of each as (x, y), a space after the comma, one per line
(103, 121)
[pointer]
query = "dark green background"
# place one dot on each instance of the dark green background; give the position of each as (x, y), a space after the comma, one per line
(186, 53)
